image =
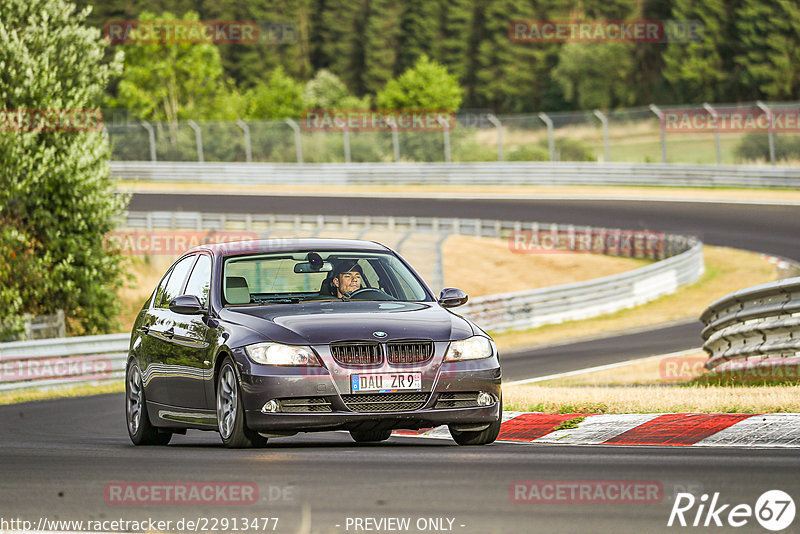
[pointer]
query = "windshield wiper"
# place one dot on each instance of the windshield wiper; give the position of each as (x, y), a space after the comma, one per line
(282, 300)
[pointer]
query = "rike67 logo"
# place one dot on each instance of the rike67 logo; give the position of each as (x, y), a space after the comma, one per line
(774, 510)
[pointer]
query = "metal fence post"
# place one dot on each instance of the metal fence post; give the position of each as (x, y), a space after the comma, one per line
(247, 149)
(297, 141)
(660, 116)
(438, 272)
(198, 139)
(604, 120)
(446, 134)
(499, 127)
(763, 107)
(715, 117)
(551, 141)
(152, 137)
(395, 141)
(346, 135)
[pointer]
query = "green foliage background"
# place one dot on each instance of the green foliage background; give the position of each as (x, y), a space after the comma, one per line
(56, 198)
(748, 50)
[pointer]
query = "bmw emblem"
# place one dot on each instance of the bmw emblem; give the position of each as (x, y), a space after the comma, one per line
(379, 334)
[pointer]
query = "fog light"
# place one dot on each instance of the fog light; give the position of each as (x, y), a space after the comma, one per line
(485, 399)
(271, 407)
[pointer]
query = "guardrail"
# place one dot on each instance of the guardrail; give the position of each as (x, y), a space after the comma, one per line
(62, 361)
(582, 300)
(757, 327)
(485, 173)
(74, 360)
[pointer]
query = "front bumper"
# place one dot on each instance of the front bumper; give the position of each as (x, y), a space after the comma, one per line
(292, 383)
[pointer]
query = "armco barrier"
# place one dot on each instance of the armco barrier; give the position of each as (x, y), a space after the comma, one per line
(582, 300)
(757, 327)
(47, 362)
(61, 361)
(459, 174)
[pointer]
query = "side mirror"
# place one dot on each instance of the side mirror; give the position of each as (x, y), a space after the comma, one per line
(186, 305)
(450, 297)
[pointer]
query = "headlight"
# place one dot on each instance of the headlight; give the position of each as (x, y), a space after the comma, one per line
(472, 348)
(279, 354)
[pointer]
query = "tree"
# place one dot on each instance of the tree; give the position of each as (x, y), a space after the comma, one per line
(507, 75)
(57, 200)
(594, 75)
(419, 33)
(326, 91)
(706, 70)
(340, 45)
(427, 85)
(168, 82)
(279, 98)
(381, 43)
(770, 32)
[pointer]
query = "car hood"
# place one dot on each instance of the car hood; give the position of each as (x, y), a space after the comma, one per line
(317, 323)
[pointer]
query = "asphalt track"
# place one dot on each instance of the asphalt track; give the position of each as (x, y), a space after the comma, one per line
(58, 456)
(771, 229)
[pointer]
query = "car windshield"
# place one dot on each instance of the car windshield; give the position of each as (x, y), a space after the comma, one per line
(281, 278)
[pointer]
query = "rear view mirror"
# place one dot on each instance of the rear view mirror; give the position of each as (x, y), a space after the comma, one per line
(309, 267)
(450, 297)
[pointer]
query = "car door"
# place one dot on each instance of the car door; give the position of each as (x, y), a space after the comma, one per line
(191, 343)
(158, 351)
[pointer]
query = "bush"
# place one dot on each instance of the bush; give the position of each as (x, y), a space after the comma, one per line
(57, 200)
(754, 146)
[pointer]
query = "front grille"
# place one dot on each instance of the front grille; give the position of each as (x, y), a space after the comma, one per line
(386, 402)
(305, 405)
(403, 352)
(356, 353)
(457, 400)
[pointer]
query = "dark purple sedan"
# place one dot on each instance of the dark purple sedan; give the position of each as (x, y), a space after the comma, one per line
(269, 338)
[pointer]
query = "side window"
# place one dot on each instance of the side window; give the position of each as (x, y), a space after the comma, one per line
(176, 280)
(200, 279)
(160, 292)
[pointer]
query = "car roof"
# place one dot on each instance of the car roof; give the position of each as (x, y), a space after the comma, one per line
(290, 244)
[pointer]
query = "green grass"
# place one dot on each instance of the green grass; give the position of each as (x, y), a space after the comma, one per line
(571, 423)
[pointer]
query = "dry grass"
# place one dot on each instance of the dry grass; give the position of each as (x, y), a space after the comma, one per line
(144, 273)
(486, 266)
(13, 397)
(652, 385)
(651, 399)
(646, 371)
(727, 270)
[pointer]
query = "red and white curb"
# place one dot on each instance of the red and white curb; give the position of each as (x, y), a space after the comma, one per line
(668, 429)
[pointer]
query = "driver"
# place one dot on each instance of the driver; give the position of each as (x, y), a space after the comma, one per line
(347, 277)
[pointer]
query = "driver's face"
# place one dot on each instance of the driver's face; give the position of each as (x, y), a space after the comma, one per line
(349, 282)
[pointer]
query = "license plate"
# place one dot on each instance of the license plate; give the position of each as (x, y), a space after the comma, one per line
(385, 382)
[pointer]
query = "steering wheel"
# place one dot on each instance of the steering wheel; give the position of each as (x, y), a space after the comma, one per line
(371, 293)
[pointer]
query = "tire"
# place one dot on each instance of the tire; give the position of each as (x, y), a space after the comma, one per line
(369, 436)
(140, 429)
(479, 437)
(231, 423)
